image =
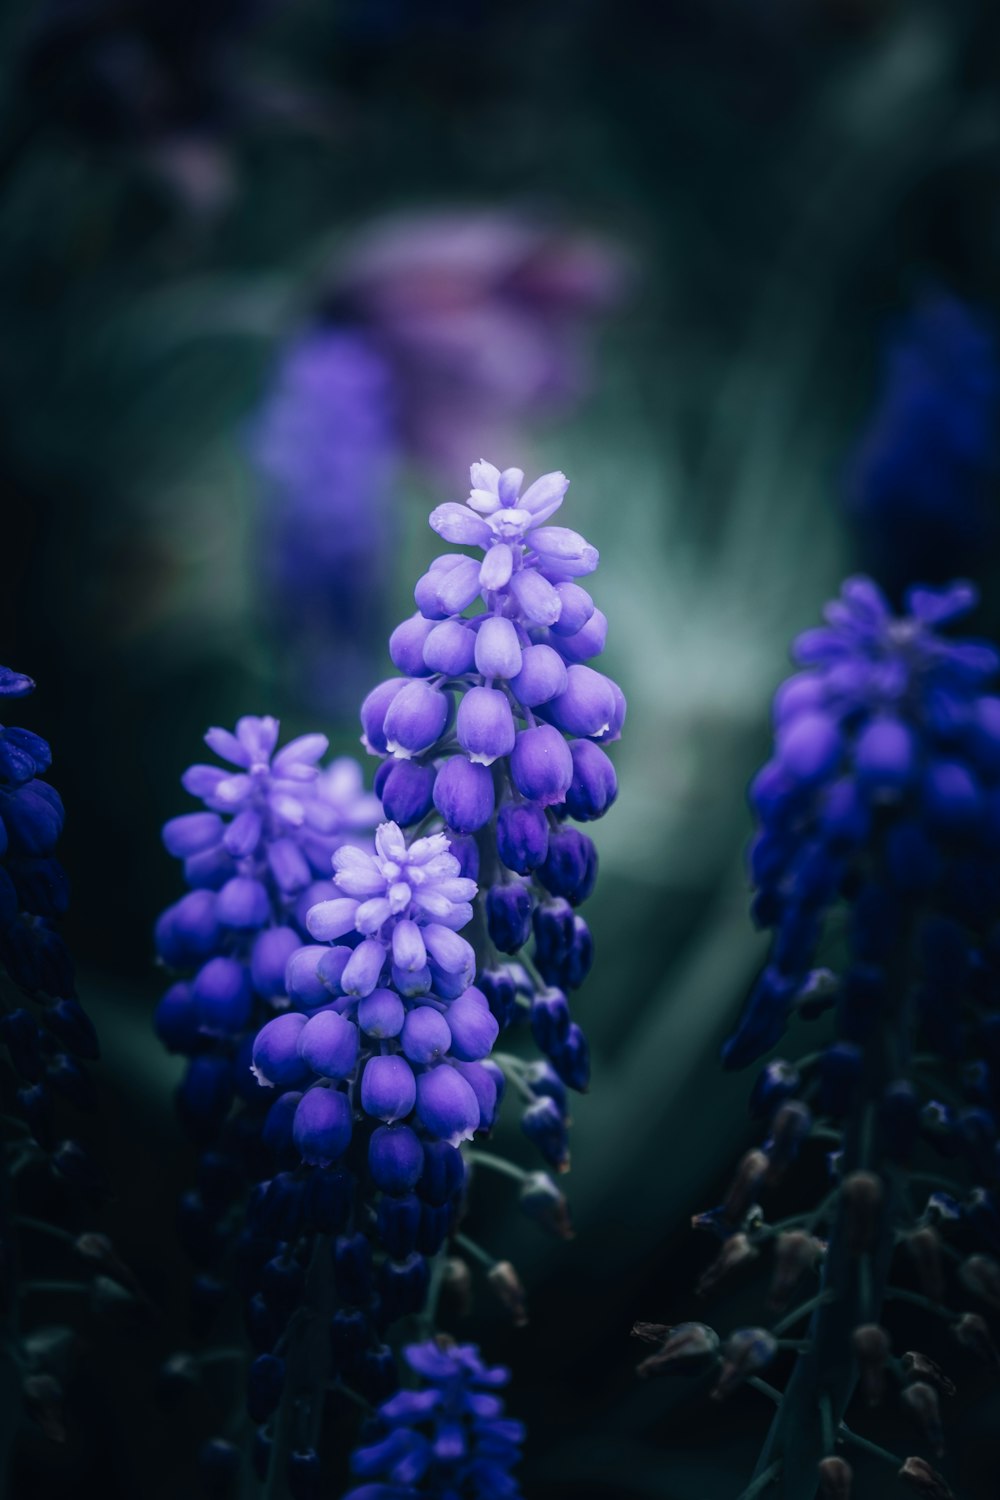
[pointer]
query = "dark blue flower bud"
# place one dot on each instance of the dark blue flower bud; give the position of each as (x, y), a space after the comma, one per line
(570, 866)
(447, 1105)
(472, 1025)
(571, 1059)
(402, 1285)
(885, 754)
(398, 1224)
(276, 1059)
(244, 904)
(463, 794)
(223, 994)
(550, 1020)
(498, 648)
(541, 678)
(352, 1269)
(407, 792)
(522, 836)
(587, 706)
(485, 725)
(508, 916)
(594, 786)
(328, 1043)
(283, 1282)
(277, 1129)
(328, 1199)
(545, 1126)
(443, 1173)
(271, 951)
(34, 818)
(501, 994)
(265, 1383)
(388, 1088)
(71, 1080)
(763, 1021)
(395, 1158)
(322, 1126)
(279, 1209)
(264, 1325)
(205, 1095)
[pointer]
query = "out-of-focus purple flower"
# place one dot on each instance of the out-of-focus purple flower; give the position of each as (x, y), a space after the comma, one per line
(485, 319)
(923, 486)
(450, 1437)
(324, 444)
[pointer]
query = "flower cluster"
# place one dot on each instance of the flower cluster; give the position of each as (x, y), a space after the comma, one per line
(324, 445)
(255, 859)
(884, 787)
(498, 727)
(44, 1028)
(880, 805)
(450, 1437)
(924, 482)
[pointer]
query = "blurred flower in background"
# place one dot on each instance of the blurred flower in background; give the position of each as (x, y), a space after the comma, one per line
(923, 487)
(441, 335)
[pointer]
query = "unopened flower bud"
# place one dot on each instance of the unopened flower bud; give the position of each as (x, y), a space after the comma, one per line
(736, 1250)
(980, 1274)
(742, 1190)
(862, 1197)
(542, 1201)
(456, 1284)
(924, 1245)
(972, 1333)
(927, 1482)
(506, 1285)
(835, 1478)
(871, 1347)
(795, 1253)
(745, 1352)
(916, 1366)
(686, 1349)
(921, 1401)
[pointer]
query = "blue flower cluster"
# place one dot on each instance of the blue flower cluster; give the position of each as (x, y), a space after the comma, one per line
(497, 728)
(923, 486)
(884, 789)
(255, 860)
(450, 1438)
(325, 447)
(45, 1030)
(881, 804)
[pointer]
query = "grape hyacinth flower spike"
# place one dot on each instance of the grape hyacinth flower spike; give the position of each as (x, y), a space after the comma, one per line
(48, 1039)
(877, 869)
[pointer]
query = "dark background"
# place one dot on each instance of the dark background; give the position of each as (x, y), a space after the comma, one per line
(781, 177)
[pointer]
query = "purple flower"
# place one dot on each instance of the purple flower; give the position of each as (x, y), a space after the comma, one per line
(450, 1437)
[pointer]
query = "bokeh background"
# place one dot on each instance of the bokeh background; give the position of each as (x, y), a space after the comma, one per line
(271, 275)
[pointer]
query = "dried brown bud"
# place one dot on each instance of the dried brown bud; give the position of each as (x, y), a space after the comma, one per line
(835, 1478)
(743, 1188)
(456, 1284)
(97, 1250)
(542, 1201)
(687, 1349)
(795, 1253)
(735, 1252)
(921, 1401)
(924, 1245)
(917, 1366)
(506, 1285)
(745, 1352)
(43, 1396)
(862, 1195)
(872, 1347)
(972, 1333)
(927, 1482)
(980, 1274)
